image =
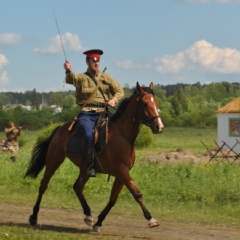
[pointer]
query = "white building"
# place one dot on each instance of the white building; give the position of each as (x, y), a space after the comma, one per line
(229, 125)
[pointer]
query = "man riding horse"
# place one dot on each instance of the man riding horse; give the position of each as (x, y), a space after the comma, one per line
(94, 89)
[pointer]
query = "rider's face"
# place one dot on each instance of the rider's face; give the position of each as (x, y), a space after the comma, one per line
(93, 64)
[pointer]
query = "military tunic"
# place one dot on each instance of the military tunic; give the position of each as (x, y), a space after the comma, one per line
(85, 85)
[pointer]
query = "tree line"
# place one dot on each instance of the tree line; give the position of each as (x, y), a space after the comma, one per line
(180, 105)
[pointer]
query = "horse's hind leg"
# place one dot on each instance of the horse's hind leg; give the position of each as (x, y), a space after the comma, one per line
(49, 171)
(78, 188)
(116, 189)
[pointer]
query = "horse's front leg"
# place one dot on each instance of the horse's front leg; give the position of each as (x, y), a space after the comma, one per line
(78, 188)
(116, 189)
(138, 197)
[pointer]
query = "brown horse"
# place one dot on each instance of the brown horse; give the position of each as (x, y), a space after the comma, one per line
(116, 160)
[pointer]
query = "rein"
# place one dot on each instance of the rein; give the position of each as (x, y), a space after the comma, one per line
(135, 119)
(148, 120)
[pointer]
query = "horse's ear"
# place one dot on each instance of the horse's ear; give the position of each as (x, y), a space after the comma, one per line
(138, 87)
(151, 85)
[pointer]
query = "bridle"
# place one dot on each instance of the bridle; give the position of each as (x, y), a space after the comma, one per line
(139, 112)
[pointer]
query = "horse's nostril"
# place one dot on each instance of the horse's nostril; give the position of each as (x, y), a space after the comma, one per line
(158, 128)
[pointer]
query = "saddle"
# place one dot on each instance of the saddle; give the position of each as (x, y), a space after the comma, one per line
(100, 133)
(75, 143)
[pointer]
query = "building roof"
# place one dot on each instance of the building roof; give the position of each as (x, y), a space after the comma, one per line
(232, 107)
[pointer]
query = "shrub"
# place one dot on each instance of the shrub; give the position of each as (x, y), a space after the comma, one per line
(144, 138)
(46, 132)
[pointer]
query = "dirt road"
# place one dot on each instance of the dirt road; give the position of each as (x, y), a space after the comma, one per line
(117, 226)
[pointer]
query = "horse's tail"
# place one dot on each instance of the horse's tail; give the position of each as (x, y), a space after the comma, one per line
(38, 159)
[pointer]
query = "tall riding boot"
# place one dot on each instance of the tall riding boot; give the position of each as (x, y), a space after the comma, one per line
(90, 161)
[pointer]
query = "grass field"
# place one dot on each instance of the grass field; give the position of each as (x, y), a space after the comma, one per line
(183, 192)
(186, 138)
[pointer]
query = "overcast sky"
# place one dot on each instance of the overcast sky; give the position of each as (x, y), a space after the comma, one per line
(159, 41)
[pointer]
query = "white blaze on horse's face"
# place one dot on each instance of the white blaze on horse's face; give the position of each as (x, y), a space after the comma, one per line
(152, 114)
(159, 127)
(150, 108)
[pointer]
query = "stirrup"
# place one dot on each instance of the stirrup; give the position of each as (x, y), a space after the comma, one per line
(91, 172)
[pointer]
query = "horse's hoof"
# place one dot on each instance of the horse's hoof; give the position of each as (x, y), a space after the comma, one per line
(32, 220)
(96, 228)
(153, 223)
(88, 220)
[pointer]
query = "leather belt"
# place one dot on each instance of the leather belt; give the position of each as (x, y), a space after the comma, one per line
(86, 109)
(100, 105)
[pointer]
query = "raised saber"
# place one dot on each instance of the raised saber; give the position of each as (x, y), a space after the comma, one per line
(60, 36)
(64, 80)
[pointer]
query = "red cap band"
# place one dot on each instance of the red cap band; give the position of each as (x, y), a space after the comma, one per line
(93, 55)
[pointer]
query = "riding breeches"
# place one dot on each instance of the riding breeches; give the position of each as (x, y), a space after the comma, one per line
(86, 121)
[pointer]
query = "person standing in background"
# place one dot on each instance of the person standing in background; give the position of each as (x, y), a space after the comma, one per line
(12, 133)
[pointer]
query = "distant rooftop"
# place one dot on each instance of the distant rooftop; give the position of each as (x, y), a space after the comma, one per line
(232, 107)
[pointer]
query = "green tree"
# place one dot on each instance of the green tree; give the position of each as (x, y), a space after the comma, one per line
(56, 98)
(215, 92)
(68, 102)
(179, 102)
(3, 119)
(35, 101)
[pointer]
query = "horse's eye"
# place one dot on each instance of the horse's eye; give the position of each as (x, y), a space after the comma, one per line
(145, 105)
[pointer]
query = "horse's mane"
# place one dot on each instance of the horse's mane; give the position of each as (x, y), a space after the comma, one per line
(121, 108)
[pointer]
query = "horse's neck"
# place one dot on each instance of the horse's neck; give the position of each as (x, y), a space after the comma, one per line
(128, 123)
